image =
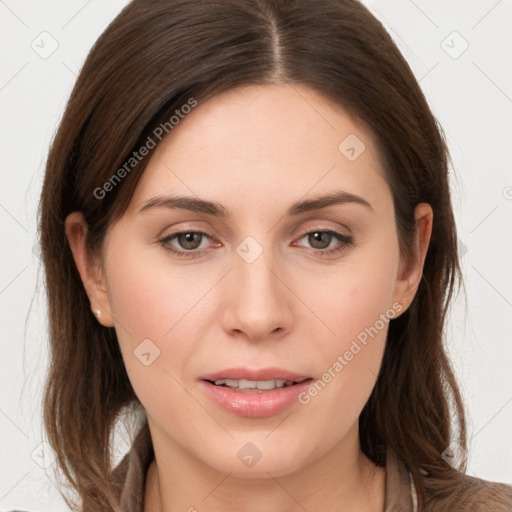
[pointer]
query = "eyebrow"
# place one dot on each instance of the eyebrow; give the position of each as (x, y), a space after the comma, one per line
(218, 210)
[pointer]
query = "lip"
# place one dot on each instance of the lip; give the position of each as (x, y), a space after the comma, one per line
(254, 404)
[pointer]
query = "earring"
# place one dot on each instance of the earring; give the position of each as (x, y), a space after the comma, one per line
(97, 312)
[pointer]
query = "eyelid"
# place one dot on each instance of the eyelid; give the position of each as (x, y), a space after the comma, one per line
(302, 232)
(325, 226)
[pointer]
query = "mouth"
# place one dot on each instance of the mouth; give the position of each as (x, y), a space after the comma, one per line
(255, 386)
(249, 380)
(254, 393)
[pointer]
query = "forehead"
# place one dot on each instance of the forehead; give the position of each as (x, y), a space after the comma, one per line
(274, 139)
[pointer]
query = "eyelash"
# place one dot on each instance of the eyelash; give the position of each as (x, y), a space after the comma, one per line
(346, 241)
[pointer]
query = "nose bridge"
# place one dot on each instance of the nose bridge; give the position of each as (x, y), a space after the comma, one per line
(258, 305)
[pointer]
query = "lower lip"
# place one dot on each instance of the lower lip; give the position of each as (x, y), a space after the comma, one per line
(255, 405)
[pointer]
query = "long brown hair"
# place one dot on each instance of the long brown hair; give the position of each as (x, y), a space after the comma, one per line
(151, 60)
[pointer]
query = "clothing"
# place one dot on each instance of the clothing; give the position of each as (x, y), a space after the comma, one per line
(473, 495)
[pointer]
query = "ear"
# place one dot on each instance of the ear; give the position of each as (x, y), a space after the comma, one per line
(89, 267)
(410, 273)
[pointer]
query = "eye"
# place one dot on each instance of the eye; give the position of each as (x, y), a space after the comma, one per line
(321, 241)
(186, 244)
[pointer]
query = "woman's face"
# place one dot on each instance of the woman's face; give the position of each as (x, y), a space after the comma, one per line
(280, 280)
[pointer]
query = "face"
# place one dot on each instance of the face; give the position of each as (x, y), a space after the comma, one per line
(265, 282)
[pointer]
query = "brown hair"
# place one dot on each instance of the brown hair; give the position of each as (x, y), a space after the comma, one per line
(154, 57)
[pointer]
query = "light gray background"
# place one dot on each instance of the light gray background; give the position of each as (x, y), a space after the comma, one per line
(470, 93)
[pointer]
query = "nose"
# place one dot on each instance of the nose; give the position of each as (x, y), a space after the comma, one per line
(258, 301)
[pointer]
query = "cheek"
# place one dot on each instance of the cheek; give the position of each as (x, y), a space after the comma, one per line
(356, 306)
(154, 326)
(352, 296)
(153, 307)
(151, 299)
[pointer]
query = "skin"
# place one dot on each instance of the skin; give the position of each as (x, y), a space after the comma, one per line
(256, 150)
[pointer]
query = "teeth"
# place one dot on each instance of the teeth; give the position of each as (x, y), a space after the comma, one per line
(253, 384)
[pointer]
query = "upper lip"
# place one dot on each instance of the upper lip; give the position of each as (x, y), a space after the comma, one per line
(254, 374)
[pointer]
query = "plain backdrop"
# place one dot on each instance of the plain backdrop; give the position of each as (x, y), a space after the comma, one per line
(459, 51)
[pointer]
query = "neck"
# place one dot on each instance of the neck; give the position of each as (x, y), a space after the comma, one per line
(343, 479)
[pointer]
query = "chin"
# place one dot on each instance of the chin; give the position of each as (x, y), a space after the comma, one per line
(259, 458)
